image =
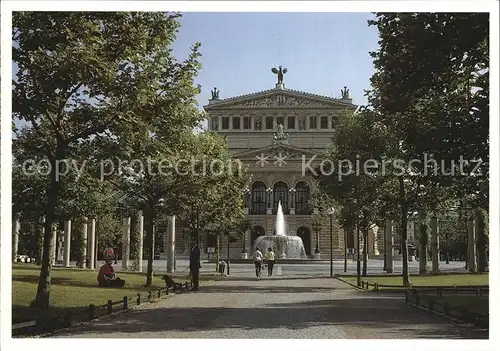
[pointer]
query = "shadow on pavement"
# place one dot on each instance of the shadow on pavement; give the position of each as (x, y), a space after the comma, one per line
(382, 317)
(265, 289)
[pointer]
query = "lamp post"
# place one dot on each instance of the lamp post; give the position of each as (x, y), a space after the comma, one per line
(330, 212)
(269, 192)
(247, 202)
(292, 200)
(317, 228)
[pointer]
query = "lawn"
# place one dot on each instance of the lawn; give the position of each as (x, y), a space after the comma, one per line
(72, 288)
(429, 280)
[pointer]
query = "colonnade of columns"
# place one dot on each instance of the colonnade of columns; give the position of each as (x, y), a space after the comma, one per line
(389, 246)
(88, 258)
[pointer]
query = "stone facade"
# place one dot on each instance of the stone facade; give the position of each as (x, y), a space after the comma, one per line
(276, 133)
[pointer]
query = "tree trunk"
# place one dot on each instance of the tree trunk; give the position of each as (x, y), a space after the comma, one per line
(365, 251)
(422, 250)
(149, 223)
(43, 291)
(39, 230)
(435, 244)
(481, 241)
(404, 233)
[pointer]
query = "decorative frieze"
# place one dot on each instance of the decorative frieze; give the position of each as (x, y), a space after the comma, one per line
(281, 100)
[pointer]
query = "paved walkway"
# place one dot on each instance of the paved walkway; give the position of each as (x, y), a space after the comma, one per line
(280, 307)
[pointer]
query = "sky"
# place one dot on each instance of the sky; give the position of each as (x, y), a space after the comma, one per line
(323, 52)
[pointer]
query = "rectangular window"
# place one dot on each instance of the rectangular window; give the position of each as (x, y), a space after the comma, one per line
(247, 122)
(313, 122)
(236, 122)
(225, 122)
(291, 123)
(280, 120)
(269, 123)
(324, 122)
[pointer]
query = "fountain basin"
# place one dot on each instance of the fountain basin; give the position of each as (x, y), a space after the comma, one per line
(284, 246)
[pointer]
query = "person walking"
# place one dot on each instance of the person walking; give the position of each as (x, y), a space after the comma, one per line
(257, 260)
(194, 266)
(270, 258)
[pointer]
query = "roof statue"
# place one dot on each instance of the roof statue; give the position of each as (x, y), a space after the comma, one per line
(345, 93)
(215, 94)
(280, 72)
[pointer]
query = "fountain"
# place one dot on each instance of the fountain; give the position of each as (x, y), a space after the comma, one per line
(284, 246)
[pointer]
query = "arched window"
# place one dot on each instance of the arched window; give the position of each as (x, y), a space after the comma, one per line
(280, 193)
(302, 198)
(258, 198)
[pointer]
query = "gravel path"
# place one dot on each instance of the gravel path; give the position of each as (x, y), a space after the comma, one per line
(315, 308)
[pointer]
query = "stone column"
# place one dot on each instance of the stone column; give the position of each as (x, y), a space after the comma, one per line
(91, 243)
(83, 256)
(125, 242)
(434, 244)
(54, 244)
(389, 246)
(141, 241)
(60, 247)
(375, 241)
(15, 241)
(96, 250)
(67, 243)
(471, 245)
(170, 244)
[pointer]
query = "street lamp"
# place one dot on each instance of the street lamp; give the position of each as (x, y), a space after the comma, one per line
(247, 193)
(317, 228)
(269, 191)
(330, 212)
(292, 198)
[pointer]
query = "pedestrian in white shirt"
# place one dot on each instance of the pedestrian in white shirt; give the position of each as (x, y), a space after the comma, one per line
(257, 260)
(270, 258)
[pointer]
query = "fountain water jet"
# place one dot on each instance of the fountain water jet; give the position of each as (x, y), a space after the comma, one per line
(284, 246)
(280, 221)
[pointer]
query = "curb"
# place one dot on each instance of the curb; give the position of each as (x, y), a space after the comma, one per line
(351, 284)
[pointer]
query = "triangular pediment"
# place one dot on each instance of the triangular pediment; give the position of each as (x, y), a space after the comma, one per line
(280, 98)
(271, 151)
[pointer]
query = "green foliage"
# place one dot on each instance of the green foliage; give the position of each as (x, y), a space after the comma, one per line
(108, 232)
(355, 140)
(89, 86)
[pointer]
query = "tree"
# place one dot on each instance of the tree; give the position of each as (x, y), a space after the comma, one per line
(429, 85)
(356, 140)
(76, 82)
